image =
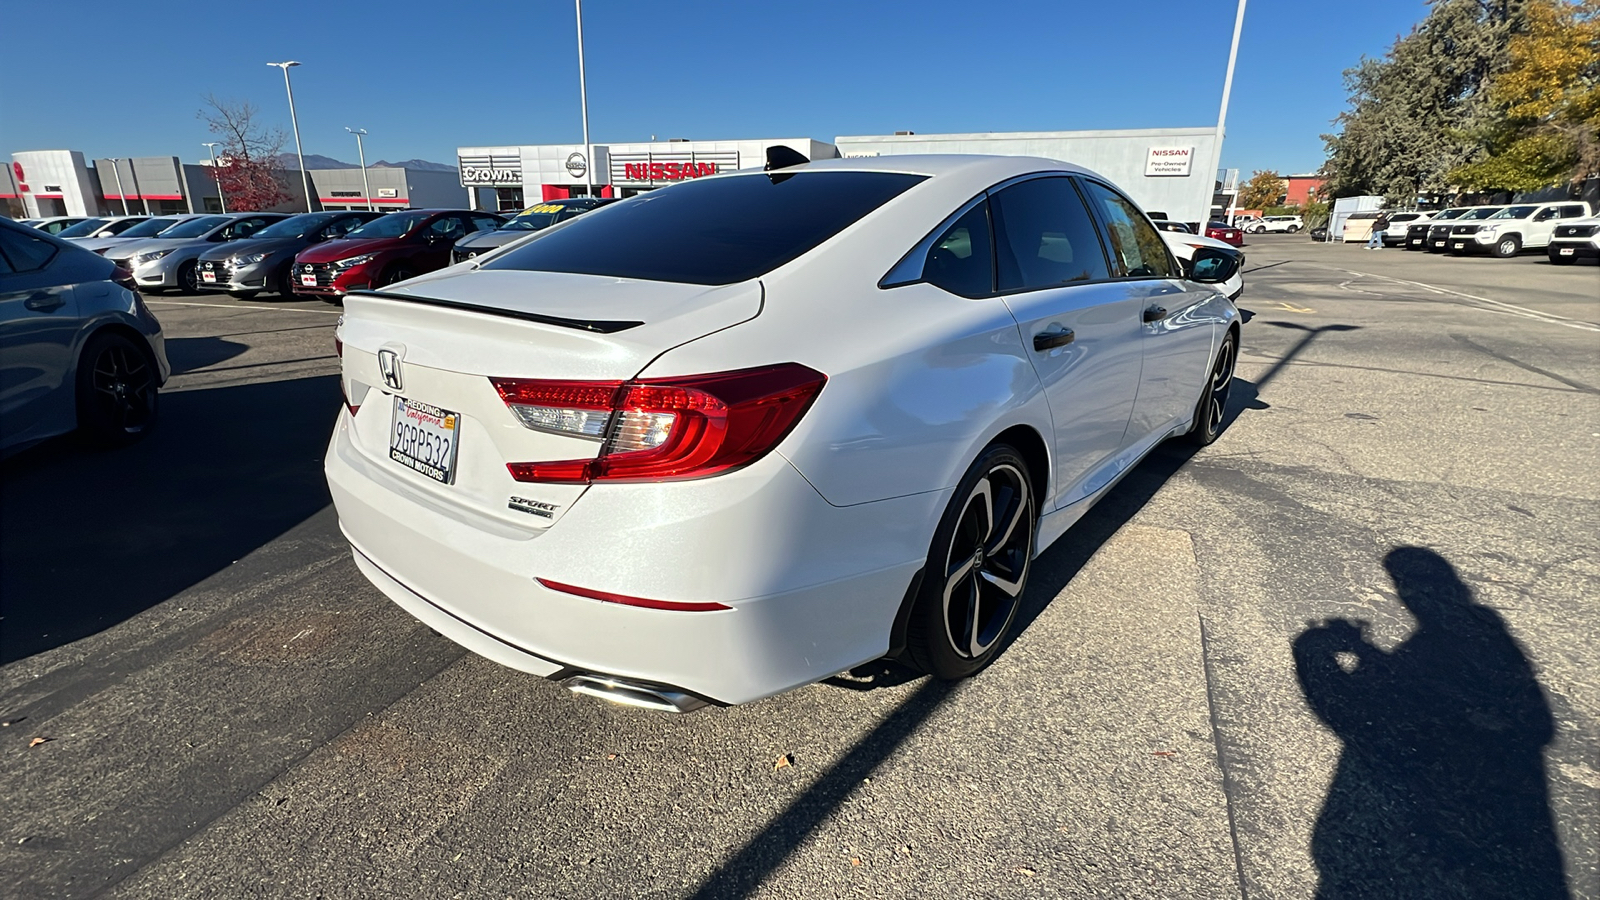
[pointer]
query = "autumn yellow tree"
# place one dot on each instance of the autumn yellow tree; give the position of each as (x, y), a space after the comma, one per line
(1549, 95)
(1261, 191)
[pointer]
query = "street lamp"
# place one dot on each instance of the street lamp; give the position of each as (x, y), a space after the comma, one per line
(1222, 118)
(121, 194)
(215, 175)
(361, 152)
(305, 180)
(583, 100)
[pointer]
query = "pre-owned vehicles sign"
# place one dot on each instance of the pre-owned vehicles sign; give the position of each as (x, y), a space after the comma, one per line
(1168, 161)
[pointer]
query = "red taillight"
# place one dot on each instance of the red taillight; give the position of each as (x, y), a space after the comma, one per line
(607, 597)
(660, 429)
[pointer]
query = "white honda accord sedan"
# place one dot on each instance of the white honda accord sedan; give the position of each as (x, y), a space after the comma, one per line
(744, 433)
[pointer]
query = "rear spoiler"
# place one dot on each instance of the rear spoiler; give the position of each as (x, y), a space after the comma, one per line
(598, 326)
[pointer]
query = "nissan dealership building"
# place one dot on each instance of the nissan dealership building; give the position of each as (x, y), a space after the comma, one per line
(1166, 170)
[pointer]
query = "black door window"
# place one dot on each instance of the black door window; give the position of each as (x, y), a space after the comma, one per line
(1137, 249)
(25, 253)
(1044, 236)
(961, 260)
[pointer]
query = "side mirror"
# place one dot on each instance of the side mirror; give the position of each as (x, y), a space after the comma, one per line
(1213, 265)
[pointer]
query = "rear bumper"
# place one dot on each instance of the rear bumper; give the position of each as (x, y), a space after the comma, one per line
(813, 588)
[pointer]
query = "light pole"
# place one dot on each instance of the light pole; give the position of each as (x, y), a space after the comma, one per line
(215, 175)
(305, 180)
(361, 152)
(583, 100)
(1222, 118)
(121, 194)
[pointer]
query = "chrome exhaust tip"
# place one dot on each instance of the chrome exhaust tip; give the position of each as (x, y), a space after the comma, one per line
(631, 693)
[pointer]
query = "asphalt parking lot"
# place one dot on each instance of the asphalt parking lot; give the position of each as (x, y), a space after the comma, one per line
(1351, 643)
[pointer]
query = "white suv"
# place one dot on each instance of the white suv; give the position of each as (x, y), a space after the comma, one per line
(1518, 226)
(1291, 224)
(1575, 240)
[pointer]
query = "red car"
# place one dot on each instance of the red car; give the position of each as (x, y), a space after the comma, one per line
(393, 248)
(1226, 233)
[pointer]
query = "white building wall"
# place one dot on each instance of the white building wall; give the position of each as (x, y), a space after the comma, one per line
(1120, 156)
(57, 175)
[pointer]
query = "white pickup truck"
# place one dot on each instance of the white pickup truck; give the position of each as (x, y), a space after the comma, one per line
(1517, 227)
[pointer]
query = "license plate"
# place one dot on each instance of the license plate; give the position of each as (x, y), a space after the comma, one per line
(423, 438)
(1438, 243)
(208, 277)
(1567, 251)
(1460, 245)
(308, 280)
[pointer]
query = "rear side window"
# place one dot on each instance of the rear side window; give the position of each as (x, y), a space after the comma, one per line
(1136, 248)
(961, 261)
(25, 253)
(1044, 236)
(712, 230)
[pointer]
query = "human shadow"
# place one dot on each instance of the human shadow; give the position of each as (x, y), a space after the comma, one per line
(1440, 790)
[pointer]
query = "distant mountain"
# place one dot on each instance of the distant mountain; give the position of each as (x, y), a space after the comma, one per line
(316, 161)
(420, 165)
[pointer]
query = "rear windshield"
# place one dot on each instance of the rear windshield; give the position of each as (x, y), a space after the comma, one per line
(711, 231)
(87, 226)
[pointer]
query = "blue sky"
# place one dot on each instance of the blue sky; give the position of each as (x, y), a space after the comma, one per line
(424, 78)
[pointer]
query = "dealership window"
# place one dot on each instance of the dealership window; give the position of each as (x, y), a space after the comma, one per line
(1044, 236)
(508, 198)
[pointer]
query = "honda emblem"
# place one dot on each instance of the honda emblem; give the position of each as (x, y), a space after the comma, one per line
(389, 365)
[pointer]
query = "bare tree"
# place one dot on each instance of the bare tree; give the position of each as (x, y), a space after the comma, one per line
(248, 171)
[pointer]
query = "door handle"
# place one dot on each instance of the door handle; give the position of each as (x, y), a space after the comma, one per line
(1055, 337)
(1155, 314)
(44, 301)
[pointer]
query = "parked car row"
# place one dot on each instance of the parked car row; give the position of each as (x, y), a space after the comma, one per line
(1565, 230)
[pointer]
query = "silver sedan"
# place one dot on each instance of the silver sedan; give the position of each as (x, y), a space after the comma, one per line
(78, 347)
(170, 261)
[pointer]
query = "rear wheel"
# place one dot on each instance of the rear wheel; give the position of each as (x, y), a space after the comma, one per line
(117, 389)
(1293, 228)
(1508, 246)
(1213, 406)
(977, 568)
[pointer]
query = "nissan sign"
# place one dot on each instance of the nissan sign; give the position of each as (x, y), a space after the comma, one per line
(1167, 162)
(577, 165)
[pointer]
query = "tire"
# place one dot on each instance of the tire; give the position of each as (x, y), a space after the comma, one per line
(189, 277)
(977, 568)
(1557, 260)
(1508, 246)
(1211, 412)
(1293, 228)
(283, 281)
(117, 390)
(399, 273)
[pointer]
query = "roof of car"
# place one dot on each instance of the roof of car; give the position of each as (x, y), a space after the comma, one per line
(933, 164)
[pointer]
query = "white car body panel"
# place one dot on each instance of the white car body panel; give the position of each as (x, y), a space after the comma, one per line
(814, 545)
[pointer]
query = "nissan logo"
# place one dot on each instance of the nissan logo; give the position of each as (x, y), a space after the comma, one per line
(389, 365)
(577, 165)
(307, 268)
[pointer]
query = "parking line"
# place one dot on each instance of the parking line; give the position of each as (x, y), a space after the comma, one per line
(323, 312)
(1511, 308)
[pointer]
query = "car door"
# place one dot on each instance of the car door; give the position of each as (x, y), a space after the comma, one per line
(1540, 226)
(38, 319)
(1079, 325)
(1176, 339)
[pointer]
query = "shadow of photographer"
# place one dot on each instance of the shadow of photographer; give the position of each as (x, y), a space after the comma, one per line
(1440, 790)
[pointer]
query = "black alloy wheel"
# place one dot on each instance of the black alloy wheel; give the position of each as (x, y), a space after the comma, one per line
(397, 274)
(977, 568)
(117, 390)
(189, 277)
(1212, 410)
(283, 280)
